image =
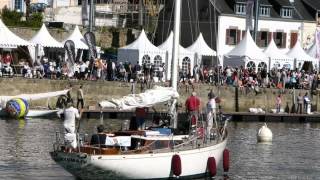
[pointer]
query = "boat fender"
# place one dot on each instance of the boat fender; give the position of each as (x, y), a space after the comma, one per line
(212, 166)
(226, 160)
(176, 165)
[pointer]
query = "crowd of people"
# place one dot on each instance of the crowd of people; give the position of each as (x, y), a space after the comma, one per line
(109, 70)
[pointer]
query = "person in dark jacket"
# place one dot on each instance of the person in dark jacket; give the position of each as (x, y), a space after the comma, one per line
(99, 139)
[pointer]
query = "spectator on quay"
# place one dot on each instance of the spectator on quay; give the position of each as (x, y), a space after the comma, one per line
(80, 97)
(278, 103)
(306, 101)
(300, 103)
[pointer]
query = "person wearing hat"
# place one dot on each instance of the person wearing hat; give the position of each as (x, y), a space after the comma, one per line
(211, 112)
(70, 115)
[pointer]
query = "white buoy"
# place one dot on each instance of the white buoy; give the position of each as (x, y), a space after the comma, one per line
(264, 134)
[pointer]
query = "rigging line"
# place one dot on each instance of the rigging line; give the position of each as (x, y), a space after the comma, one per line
(192, 39)
(170, 20)
(197, 17)
(163, 12)
(210, 29)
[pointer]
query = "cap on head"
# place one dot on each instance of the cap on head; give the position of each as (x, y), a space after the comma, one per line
(194, 93)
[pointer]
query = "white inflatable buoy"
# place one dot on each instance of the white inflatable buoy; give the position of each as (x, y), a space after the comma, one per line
(264, 134)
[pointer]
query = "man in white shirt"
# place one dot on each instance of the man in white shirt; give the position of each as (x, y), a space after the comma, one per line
(70, 115)
(211, 112)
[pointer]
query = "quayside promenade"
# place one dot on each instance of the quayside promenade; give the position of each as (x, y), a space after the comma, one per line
(96, 91)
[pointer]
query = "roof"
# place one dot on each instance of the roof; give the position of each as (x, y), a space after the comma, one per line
(142, 43)
(298, 53)
(78, 39)
(315, 4)
(168, 46)
(43, 38)
(274, 53)
(247, 48)
(304, 10)
(9, 40)
(201, 47)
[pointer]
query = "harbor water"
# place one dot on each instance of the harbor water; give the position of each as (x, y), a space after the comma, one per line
(293, 154)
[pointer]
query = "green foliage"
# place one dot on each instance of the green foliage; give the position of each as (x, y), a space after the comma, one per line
(13, 18)
(110, 50)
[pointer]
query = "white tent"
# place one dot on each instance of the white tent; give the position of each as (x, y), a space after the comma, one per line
(247, 54)
(9, 40)
(312, 51)
(301, 56)
(201, 48)
(44, 39)
(277, 59)
(78, 39)
(141, 51)
(186, 57)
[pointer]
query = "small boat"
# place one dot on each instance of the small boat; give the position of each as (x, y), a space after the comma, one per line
(18, 106)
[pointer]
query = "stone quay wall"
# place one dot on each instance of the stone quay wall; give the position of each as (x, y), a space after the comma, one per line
(96, 91)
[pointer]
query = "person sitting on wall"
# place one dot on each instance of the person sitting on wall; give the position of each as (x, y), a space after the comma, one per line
(99, 139)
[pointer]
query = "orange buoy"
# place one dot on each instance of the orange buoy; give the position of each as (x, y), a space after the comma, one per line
(226, 160)
(212, 166)
(176, 165)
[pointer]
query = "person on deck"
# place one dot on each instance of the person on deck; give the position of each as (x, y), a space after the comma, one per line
(70, 115)
(99, 138)
(211, 112)
(141, 114)
(193, 108)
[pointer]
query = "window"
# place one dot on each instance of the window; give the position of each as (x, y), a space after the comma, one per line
(157, 62)
(240, 8)
(232, 36)
(261, 66)
(264, 11)
(286, 12)
(276, 65)
(280, 39)
(251, 66)
(146, 60)
(185, 64)
(18, 5)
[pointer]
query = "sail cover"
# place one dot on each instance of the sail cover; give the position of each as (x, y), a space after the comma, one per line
(29, 97)
(147, 99)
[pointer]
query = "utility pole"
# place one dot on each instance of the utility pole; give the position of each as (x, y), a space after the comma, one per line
(140, 14)
(91, 15)
(256, 19)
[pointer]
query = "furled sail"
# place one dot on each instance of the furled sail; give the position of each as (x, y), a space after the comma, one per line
(28, 97)
(147, 99)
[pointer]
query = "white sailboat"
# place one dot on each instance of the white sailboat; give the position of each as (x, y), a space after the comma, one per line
(28, 98)
(147, 154)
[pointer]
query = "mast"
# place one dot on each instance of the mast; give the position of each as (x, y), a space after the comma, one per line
(175, 50)
(256, 19)
(175, 60)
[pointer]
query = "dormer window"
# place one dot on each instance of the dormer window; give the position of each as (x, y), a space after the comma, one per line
(286, 12)
(264, 11)
(240, 8)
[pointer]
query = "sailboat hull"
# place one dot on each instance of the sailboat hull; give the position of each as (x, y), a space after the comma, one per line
(33, 113)
(139, 166)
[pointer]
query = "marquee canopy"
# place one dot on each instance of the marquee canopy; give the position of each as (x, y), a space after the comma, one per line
(44, 39)
(277, 59)
(298, 53)
(185, 55)
(78, 39)
(141, 50)
(201, 47)
(9, 40)
(248, 48)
